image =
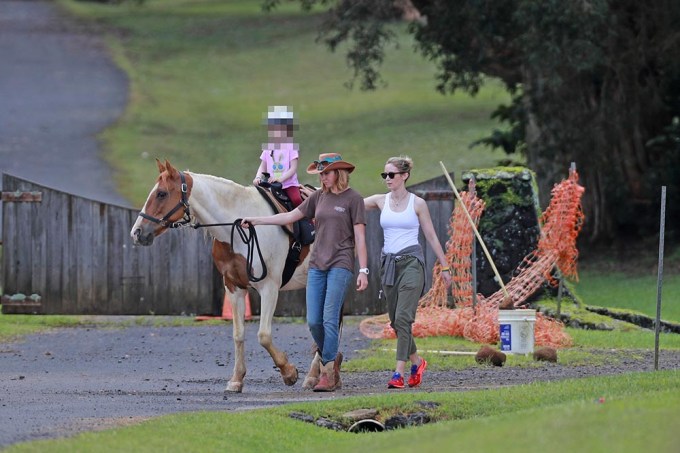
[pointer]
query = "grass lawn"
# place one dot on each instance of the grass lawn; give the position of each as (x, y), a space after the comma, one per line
(626, 413)
(202, 74)
(635, 292)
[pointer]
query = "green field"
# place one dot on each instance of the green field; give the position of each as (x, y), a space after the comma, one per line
(202, 74)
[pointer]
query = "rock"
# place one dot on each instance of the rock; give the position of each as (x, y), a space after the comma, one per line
(360, 414)
(396, 422)
(301, 416)
(418, 418)
(330, 424)
(545, 354)
(488, 355)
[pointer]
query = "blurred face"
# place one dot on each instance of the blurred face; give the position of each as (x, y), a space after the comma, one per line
(277, 132)
(397, 180)
(328, 178)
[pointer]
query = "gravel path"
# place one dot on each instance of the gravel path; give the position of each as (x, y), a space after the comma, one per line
(77, 379)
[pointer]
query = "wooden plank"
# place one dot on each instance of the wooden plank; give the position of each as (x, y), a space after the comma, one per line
(69, 259)
(100, 274)
(190, 242)
(134, 279)
(24, 244)
(9, 248)
(159, 273)
(21, 197)
(84, 239)
(39, 225)
(176, 274)
(118, 245)
(57, 212)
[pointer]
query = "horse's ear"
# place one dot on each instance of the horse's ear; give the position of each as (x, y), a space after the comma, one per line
(168, 166)
(161, 167)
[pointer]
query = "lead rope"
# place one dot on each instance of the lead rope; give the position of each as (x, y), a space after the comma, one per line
(249, 238)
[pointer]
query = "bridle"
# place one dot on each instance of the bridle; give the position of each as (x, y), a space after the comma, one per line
(182, 203)
(248, 237)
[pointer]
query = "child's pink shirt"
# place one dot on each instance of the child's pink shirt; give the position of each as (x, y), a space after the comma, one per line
(278, 156)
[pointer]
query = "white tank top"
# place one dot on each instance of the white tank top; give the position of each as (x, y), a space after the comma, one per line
(400, 229)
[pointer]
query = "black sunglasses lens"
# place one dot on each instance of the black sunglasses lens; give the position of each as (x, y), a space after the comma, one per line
(383, 175)
(390, 175)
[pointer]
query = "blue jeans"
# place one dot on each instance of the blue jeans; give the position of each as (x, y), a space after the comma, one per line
(325, 295)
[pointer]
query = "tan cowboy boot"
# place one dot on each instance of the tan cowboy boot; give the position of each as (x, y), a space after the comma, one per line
(327, 380)
(336, 369)
(314, 371)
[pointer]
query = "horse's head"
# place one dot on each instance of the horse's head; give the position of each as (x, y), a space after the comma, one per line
(166, 207)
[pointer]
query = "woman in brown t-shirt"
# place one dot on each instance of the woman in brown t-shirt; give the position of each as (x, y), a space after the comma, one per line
(340, 221)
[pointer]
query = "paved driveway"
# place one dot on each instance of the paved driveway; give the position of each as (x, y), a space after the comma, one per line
(58, 90)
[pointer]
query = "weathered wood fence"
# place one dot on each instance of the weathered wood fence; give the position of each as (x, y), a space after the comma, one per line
(77, 256)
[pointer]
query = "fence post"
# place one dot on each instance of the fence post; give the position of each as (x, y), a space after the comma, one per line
(659, 280)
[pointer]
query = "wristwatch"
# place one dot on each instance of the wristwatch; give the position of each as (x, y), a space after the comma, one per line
(364, 270)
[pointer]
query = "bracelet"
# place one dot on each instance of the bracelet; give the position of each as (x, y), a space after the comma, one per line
(446, 269)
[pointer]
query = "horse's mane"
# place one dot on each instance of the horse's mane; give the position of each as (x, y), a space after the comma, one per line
(213, 177)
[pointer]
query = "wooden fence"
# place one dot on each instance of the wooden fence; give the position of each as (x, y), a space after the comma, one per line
(77, 256)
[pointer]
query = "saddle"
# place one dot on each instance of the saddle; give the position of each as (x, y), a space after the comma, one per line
(300, 233)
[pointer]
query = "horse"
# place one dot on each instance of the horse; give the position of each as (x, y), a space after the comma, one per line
(193, 199)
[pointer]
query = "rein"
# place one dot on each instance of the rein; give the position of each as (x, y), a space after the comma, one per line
(249, 238)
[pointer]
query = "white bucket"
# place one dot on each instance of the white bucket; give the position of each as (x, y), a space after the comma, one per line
(517, 330)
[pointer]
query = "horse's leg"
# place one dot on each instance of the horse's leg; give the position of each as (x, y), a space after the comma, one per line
(268, 296)
(235, 384)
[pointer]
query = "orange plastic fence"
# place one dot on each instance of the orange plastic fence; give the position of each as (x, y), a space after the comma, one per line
(561, 224)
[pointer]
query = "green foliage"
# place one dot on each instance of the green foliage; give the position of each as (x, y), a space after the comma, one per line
(579, 93)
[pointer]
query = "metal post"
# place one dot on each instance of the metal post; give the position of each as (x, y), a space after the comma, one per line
(659, 280)
(473, 191)
(560, 289)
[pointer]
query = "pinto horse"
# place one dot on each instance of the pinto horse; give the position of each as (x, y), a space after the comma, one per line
(187, 198)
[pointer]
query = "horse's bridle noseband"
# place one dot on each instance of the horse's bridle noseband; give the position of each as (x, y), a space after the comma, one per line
(182, 203)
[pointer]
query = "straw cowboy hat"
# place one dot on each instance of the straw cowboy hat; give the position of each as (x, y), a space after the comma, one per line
(280, 115)
(328, 162)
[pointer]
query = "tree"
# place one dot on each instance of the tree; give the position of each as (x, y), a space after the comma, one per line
(595, 82)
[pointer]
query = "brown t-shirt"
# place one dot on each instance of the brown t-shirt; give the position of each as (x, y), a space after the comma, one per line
(334, 218)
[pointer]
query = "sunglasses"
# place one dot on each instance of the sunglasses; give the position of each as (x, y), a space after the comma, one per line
(391, 174)
(321, 164)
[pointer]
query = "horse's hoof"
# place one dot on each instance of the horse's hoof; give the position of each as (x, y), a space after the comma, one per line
(289, 374)
(234, 387)
(310, 383)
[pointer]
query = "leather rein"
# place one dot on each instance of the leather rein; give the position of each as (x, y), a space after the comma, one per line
(248, 235)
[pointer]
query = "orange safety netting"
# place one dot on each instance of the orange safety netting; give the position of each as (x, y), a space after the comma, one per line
(561, 224)
(458, 255)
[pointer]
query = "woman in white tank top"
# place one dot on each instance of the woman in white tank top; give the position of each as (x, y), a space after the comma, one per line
(402, 215)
